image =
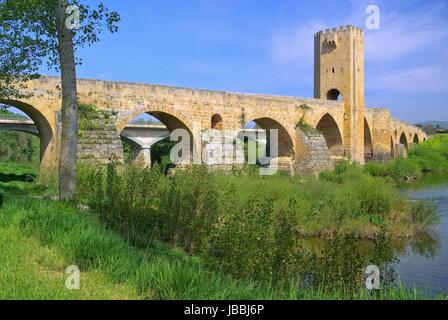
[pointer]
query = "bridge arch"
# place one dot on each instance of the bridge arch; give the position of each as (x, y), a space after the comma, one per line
(45, 133)
(368, 143)
(285, 142)
(416, 139)
(332, 134)
(290, 145)
(172, 119)
(404, 140)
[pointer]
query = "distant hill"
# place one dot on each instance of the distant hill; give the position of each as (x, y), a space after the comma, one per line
(434, 127)
(441, 124)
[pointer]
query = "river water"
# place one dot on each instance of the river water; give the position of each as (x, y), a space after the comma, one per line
(424, 262)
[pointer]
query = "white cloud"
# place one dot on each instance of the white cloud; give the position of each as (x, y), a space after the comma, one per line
(295, 45)
(428, 79)
(403, 34)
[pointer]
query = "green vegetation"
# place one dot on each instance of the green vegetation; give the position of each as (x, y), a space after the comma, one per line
(428, 157)
(137, 233)
(39, 239)
(17, 146)
(250, 226)
(301, 124)
(89, 115)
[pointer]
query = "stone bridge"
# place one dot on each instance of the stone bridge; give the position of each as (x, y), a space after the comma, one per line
(313, 133)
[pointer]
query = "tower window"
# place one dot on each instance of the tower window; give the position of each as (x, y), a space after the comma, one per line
(332, 70)
(334, 94)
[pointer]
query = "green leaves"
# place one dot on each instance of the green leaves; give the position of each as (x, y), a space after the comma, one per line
(28, 38)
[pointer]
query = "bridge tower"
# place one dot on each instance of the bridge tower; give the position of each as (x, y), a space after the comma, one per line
(339, 75)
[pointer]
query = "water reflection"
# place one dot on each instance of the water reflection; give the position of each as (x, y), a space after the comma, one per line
(424, 260)
(419, 262)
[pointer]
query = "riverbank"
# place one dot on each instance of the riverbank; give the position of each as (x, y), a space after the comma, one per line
(40, 239)
(430, 156)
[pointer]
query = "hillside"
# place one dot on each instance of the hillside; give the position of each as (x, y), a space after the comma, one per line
(434, 127)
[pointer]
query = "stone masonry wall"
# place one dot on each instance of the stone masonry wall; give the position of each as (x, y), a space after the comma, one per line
(319, 155)
(98, 141)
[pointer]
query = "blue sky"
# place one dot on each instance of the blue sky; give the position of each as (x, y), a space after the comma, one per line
(262, 46)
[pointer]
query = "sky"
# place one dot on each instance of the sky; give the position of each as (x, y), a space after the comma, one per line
(261, 46)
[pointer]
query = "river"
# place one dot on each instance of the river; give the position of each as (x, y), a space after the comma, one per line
(424, 262)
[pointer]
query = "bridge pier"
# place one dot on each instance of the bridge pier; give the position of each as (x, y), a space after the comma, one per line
(141, 155)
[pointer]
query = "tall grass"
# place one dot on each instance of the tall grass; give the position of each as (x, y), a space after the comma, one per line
(250, 226)
(39, 239)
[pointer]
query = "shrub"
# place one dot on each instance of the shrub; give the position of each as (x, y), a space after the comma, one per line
(251, 239)
(188, 208)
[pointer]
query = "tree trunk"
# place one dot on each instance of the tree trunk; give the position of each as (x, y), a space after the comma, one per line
(69, 134)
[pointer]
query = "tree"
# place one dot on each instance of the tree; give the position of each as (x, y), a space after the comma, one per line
(36, 31)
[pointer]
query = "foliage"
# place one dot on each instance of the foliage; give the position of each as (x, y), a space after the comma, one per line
(88, 113)
(28, 38)
(237, 226)
(301, 124)
(19, 147)
(429, 156)
(250, 226)
(38, 239)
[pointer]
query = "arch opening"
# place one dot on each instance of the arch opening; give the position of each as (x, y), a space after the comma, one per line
(334, 94)
(416, 140)
(281, 150)
(216, 122)
(330, 130)
(368, 145)
(404, 140)
(146, 139)
(30, 121)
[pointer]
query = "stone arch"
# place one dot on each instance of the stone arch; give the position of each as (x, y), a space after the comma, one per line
(368, 143)
(332, 134)
(290, 145)
(168, 116)
(404, 140)
(43, 126)
(416, 139)
(285, 142)
(167, 112)
(334, 94)
(216, 122)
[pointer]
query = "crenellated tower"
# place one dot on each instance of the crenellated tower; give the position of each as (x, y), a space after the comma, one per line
(339, 75)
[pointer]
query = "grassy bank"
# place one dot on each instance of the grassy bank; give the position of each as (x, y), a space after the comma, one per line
(430, 156)
(39, 239)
